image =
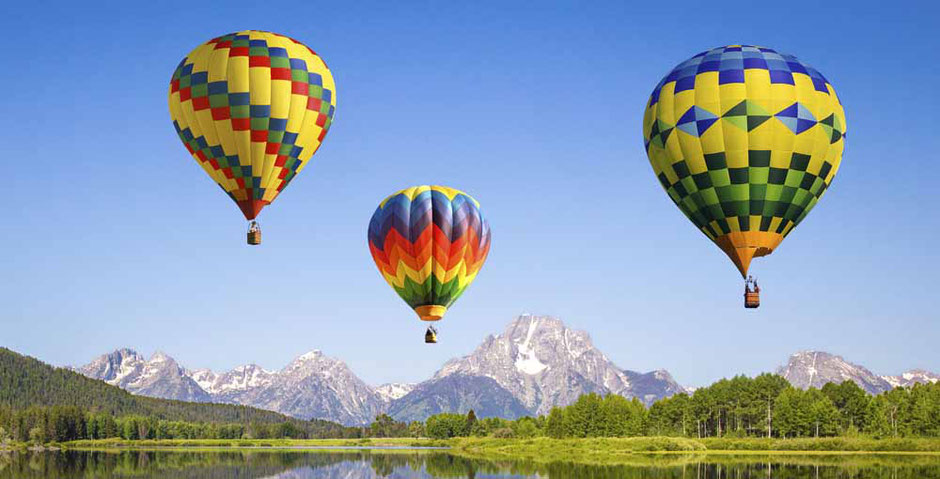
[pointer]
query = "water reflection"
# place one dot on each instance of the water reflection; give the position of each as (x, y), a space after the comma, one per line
(433, 464)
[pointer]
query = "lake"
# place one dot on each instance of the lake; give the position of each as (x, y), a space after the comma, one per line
(430, 464)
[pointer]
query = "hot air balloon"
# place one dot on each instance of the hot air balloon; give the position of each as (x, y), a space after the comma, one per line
(429, 243)
(745, 140)
(252, 108)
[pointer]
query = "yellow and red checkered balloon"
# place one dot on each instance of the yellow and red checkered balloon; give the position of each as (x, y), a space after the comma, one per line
(252, 108)
(745, 140)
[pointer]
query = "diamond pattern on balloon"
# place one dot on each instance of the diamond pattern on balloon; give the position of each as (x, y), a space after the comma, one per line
(832, 128)
(696, 120)
(797, 118)
(660, 132)
(746, 115)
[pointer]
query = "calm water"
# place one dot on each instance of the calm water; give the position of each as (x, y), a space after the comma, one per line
(428, 464)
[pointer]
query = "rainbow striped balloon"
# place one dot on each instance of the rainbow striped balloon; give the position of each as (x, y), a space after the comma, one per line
(429, 242)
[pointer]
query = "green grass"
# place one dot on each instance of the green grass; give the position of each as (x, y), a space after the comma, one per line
(117, 443)
(594, 451)
(827, 444)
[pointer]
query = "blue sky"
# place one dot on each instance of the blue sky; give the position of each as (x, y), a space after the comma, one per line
(115, 237)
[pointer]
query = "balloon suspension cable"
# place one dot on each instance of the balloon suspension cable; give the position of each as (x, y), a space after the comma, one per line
(751, 284)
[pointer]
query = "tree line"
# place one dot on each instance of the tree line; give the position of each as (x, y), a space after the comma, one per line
(764, 406)
(42, 425)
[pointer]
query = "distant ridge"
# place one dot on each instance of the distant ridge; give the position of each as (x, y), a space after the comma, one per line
(807, 369)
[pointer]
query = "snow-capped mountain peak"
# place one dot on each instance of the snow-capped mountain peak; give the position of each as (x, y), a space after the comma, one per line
(392, 391)
(912, 377)
(543, 363)
(160, 376)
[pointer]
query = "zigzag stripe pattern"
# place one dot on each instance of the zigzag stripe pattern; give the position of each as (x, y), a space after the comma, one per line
(429, 243)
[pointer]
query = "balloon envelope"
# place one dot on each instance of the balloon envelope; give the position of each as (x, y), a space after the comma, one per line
(745, 140)
(252, 108)
(429, 243)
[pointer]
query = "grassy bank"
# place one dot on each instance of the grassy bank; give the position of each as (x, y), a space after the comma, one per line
(585, 451)
(589, 450)
(117, 443)
(828, 444)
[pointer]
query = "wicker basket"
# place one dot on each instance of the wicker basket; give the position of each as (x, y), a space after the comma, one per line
(254, 237)
(751, 299)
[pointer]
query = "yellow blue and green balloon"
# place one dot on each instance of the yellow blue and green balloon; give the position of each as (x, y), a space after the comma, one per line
(745, 140)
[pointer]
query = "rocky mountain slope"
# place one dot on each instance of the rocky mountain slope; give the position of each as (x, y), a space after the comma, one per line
(459, 394)
(543, 364)
(160, 376)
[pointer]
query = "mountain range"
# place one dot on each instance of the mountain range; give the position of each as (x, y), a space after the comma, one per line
(536, 363)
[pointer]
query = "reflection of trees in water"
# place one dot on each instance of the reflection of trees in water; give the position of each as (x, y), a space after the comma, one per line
(159, 464)
(309, 465)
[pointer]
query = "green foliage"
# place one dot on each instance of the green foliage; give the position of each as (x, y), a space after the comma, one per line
(416, 429)
(556, 423)
(385, 426)
(852, 402)
(446, 425)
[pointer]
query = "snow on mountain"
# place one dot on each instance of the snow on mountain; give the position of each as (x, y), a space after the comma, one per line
(311, 386)
(160, 376)
(391, 391)
(203, 377)
(545, 364)
(807, 369)
(912, 377)
(317, 386)
(239, 384)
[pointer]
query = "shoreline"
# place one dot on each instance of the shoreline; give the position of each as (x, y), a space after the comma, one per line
(535, 447)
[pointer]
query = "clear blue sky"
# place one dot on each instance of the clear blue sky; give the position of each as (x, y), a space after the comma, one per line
(114, 237)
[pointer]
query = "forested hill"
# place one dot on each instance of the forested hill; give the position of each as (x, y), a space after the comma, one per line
(26, 382)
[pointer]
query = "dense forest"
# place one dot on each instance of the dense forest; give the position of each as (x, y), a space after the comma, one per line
(39, 403)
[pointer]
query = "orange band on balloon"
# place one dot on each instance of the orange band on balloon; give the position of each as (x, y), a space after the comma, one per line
(431, 312)
(743, 246)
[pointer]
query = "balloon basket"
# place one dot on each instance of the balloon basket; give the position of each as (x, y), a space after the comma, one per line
(430, 336)
(751, 300)
(254, 234)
